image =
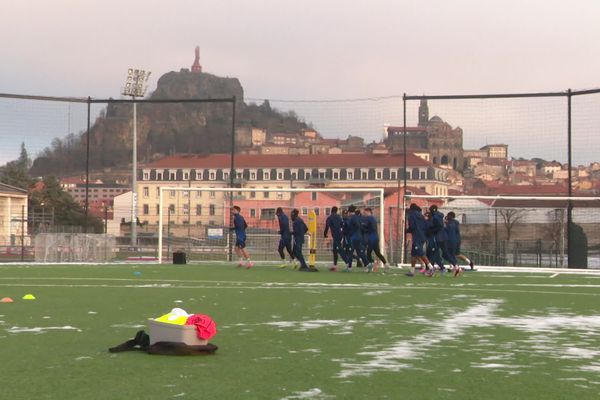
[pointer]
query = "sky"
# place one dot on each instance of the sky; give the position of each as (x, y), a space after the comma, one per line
(308, 50)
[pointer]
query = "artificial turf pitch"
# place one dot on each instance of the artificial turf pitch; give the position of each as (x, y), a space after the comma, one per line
(292, 335)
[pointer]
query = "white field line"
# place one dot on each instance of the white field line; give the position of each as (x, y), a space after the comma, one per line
(290, 287)
(555, 275)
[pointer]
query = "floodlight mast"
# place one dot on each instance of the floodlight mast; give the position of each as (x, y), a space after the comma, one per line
(135, 86)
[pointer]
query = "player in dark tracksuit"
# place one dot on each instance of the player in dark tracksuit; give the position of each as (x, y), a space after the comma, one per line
(239, 226)
(416, 227)
(453, 231)
(346, 241)
(299, 229)
(285, 240)
(356, 238)
(372, 237)
(334, 224)
(441, 237)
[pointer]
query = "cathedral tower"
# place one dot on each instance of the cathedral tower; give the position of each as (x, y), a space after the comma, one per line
(423, 113)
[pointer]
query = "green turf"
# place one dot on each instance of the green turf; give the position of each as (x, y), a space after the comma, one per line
(288, 335)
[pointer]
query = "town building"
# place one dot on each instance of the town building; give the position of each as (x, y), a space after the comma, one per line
(13, 214)
(442, 142)
(274, 172)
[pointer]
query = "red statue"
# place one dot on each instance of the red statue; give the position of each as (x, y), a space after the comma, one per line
(196, 67)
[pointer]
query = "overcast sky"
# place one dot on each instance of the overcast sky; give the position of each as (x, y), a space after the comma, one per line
(310, 49)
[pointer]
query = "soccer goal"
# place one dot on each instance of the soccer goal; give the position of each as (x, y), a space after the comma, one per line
(197, 220)
(523, 231)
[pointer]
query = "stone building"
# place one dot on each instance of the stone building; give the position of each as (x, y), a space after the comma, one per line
(443, 143)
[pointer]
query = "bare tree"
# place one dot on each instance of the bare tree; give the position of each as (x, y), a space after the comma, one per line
(510, 217)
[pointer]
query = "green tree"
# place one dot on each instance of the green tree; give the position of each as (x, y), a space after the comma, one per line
(67, 212)
(16, 173)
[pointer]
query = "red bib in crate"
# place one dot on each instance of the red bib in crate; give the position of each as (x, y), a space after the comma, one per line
(205, 326)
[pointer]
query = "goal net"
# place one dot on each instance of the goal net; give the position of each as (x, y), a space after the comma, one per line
(522, 230)
(74, 247)
(197, 220)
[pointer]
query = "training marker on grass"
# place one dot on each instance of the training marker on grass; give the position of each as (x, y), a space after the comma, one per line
(29, 297)
(6, 300)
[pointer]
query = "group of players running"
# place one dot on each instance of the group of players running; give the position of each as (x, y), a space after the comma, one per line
(355, 237)
(434, 239)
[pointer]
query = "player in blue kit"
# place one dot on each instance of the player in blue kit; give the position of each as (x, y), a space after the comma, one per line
(239, 226)
(299, 229)
(335, 224)
(372, 236)
(356, 238)
(285, 239)
(416, 227)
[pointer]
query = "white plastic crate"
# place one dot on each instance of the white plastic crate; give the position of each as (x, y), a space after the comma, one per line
(163, 332)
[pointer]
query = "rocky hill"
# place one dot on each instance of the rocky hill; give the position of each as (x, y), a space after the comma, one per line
(164, 128)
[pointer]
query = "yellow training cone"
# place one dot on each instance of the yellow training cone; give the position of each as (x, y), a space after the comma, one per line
(29, 297)
(6, 300)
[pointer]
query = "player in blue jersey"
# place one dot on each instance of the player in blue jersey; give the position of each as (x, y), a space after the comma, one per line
(285, 239)
(239, 226)
(416, 227)
(453, 232)
(335, 225)
(372, 236)
(356, 238)
(299, 229)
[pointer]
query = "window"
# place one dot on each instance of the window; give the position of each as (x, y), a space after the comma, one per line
(225, 176)
(239, 175)
(393, 174)
(146, 176)
(146, 191)
(327, 211)
(350, 175)
(186, 193)
(199, 175)
(279, 175)
(313, 196)
(317, 211)
(423, 175)
(321, 174)
(186, 175)
(199, 209)
(157, 209)
(211, 209)
(212, 194)
(294, 175)
(159, 176)
(267, 214)
(378, 174)
(307, 174)
(364, 175)
(252, 175)
(186, 209)
(212, 175)
(146, 209)
(304, 211)
(198, 194)
(253, 212)
(279, 194)
(171, 193)
(172, 208)
(253, 195)
(266, 176)
(172, 176)
(335, 174)
(266, 194)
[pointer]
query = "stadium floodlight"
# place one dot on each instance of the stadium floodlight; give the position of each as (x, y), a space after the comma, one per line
(135, 86)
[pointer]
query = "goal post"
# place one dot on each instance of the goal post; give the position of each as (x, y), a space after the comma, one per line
(197, 220)
(525, 231)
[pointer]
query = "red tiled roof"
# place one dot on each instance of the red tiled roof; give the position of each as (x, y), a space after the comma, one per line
(284, 160)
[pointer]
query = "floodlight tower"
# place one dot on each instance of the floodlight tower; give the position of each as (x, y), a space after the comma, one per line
(135, 86)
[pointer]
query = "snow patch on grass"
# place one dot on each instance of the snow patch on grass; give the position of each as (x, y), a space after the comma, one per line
(314, 393)
(17, 329)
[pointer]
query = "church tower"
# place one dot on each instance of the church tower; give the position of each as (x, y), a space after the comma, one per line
(196, 67)
(423, 113)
